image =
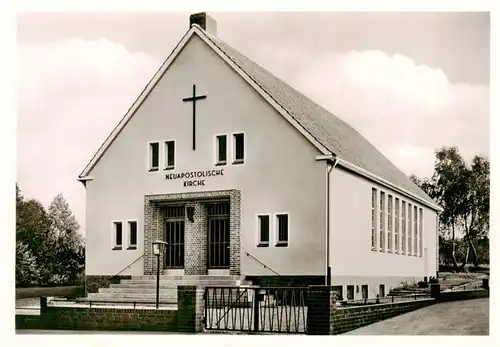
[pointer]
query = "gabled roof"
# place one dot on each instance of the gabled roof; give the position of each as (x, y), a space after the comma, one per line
(327, 132)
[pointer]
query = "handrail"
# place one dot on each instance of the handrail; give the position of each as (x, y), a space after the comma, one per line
(128, 266)
(264, 265)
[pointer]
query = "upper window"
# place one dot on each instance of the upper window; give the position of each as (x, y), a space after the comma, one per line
(154, 156)
(396, 226)
(238, 148)
(221, 149)
(420, 231)
(282, 230)
(382, 222)
(415, 230)
(169, 155)
(403, 227)
(389, 223)
(263, 230)
(117, 235)
(132, 232)
(409, 230)
(374, 219)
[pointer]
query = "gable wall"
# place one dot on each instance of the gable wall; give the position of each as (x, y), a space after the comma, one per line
(280, 173)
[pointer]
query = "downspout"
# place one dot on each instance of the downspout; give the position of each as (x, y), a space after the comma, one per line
(329, 167)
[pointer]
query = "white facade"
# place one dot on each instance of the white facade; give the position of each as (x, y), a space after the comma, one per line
(281, 173)
(352, 259)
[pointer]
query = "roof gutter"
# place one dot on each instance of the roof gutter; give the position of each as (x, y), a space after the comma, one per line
(386, 183)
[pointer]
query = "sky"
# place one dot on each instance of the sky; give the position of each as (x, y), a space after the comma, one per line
(409, 82)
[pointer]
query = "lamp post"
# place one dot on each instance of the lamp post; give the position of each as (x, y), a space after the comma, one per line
(158, 247)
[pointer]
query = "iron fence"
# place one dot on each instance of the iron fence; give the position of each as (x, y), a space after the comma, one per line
(129, 303)
(255, 309)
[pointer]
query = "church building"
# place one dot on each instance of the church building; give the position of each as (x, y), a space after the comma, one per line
(243, 176)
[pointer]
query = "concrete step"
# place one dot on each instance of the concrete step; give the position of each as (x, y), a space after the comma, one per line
(137, 290)
(127, 302)
(132, 296)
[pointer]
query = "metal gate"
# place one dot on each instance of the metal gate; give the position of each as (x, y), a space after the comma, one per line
(218, 254)
(174, 237)
(256, 310)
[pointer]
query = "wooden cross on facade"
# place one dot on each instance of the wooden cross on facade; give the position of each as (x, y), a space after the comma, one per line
(193, 99)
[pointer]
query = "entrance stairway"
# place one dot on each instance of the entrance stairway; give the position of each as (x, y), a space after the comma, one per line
(142, 289)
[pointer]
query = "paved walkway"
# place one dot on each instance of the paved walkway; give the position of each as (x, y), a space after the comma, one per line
(467, 317)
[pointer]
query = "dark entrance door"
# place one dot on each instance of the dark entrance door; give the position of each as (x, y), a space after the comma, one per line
(174, 237)
(218, 236)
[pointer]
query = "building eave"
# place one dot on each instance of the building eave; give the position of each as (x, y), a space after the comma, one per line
(385, 183)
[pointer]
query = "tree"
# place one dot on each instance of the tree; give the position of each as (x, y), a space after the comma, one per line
(47, 243)
(463, 193)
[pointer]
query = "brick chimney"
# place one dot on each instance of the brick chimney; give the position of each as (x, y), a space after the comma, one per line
(206, 22)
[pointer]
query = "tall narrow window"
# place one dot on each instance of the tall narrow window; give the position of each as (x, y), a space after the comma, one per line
(420, 231)
(415, 230)
(282, 226)
(408, 234)
(263, 231)
(117, 235)
(396, 227)
(374, 219)
(154, 156)
(169, 155)
(221, 142)
(132, 232)
(238, 149)
(403, 227)
(382, 222)
(389, 223)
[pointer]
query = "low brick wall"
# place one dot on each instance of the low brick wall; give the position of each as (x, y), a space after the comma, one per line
(93, 283)
(115, 319)
(347, 319)
(463, 295)
(187, 317)
(28, 322)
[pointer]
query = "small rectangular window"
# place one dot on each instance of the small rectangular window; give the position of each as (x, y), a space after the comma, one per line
(169, 155)
(221, 149)
(339, 292)
(350, 292)
(364, 291)
(154, 156)
(117, 235)
(238, 150)
(381, 291)
(132, 231)
(263, 231)
(282, 226)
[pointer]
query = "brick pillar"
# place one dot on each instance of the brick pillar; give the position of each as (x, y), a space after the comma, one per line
(235, 235)
(148, 237)
(190, 309)
(320, 310)
(195, 236)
